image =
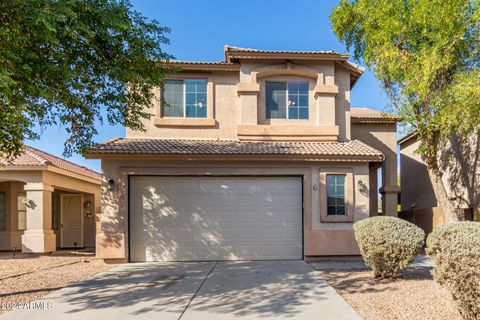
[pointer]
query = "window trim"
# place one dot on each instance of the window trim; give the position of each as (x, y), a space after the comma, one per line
(349, 196)
(287, 115)
(160, 121)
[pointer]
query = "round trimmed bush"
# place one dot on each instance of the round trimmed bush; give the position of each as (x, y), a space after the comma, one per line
(455, 249)
(388, 244)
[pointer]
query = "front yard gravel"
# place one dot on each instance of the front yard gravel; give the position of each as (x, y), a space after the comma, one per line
(40, 275)
(413, 295)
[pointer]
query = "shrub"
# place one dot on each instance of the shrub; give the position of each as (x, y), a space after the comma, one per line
(455, 249)
(388, 244)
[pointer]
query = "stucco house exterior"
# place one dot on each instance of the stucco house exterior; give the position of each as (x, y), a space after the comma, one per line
(459, 162)
(258, 156)
(47, 203)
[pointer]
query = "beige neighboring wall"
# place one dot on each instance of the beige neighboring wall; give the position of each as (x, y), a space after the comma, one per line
(417, 190)
(320, 238)
(460, 173)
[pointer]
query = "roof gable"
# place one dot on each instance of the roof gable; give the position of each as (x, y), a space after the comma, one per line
(32, 157)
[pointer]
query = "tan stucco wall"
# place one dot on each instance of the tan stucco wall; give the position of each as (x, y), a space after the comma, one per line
(320, 238)
(226, 113)
(342, 103)
(383, 137)
(239, 99)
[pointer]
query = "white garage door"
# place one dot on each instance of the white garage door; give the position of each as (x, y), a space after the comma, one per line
(215, 218)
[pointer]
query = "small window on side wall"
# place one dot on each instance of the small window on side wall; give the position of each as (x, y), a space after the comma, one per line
(184, 98)
(287, 100)
(3, 211)
(22, 210)
(336, 205)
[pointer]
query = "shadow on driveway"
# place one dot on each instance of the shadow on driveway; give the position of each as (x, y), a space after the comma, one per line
(198, 290)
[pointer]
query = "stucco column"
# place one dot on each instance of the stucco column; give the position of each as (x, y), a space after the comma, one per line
(373, 181)
(39, 236)
(390, 199)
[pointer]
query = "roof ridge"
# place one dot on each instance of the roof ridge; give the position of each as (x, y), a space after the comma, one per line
(233, 48)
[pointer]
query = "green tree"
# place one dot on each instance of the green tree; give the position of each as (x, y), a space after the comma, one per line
(425, 53)
(68, 62)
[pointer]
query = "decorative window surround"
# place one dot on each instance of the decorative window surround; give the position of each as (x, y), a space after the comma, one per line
(251, 91)
(326, 89)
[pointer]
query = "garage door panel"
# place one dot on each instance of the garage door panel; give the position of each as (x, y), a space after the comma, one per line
(215, 218)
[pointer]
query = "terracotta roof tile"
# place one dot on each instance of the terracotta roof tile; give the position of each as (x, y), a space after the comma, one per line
(34, 157)
(353, 148)
(371, 115)
(228, 48)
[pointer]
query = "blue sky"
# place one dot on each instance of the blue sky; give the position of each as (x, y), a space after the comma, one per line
(200, 29)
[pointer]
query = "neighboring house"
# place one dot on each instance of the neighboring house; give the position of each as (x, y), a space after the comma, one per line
(460, 166)
(47, 203)
(255, 157)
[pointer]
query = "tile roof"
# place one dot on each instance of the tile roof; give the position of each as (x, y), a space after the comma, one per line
(228, 48)
(34, 157)
(353, 148)
(371, 115)
(203, 62)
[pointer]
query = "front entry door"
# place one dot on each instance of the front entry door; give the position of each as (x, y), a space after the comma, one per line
(71, 227)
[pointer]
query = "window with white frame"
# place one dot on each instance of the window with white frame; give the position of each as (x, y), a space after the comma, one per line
(286, 100)
(184, 98)
(22, 210)
(336, 195)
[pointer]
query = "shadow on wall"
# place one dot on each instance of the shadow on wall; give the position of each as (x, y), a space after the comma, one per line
(182, 219)
(235, 288)
(111, 228)
(417, 188)
(460, 162)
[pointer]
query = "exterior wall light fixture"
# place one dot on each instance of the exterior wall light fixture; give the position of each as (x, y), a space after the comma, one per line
(111, 184)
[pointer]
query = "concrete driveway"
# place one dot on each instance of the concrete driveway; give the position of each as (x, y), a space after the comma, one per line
(197, 290)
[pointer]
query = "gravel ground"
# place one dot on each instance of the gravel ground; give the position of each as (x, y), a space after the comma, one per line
(413, 295)
(39, 281)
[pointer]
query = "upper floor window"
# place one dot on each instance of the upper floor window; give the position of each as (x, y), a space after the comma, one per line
(336, 194)
(185, 98)
(287, 100)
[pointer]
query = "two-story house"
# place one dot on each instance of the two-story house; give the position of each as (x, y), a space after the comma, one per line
(256, 157)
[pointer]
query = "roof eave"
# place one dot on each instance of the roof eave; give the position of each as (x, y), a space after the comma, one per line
(375, 120)
(233, 157)
(407, 138)
(199, 66)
